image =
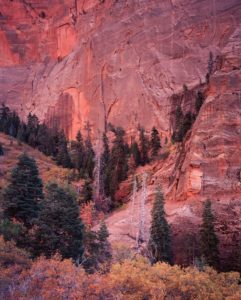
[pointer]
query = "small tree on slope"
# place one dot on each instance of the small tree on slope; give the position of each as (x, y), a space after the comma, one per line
(155, 142)
(105, 248)
(22, 197)
(1, 150)
(144, 147)
(209, 240)
(160, 240)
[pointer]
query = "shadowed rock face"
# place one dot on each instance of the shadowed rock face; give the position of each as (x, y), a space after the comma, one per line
(120, 62)
(120, 59)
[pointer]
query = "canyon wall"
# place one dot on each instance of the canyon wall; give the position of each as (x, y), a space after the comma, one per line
(115, 61)
(121, 62)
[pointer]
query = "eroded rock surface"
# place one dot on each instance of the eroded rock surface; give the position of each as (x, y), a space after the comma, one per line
(118, 61)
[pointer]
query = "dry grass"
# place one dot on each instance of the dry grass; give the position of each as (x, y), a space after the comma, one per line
(48, 169)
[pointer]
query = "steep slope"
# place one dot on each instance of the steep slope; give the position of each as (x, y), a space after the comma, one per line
(47, 168)
(211, 167)
(184, 217)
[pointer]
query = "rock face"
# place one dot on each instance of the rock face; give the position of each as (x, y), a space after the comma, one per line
(108, 61)
(73, 61)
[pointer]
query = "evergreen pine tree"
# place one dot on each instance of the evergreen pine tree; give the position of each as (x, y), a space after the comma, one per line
(210, 67)
(209, 239)
(22, 133)
(210, 63)
(91, 250)
(1, 150)
(160, 241)
(10, 230)
(89, 162)
(103, 232)
(136, 153)
(32, 130)
(97, 249)
(77, 154)
(104, 166)
(63, 157)
(14, 124)
(177, 134)
(80, 152)
(155, 142)
(55, 136)
(144, 146)
(44, 139)
(87, 192)
(21, 199)
(187, 124)
(104, 245)
(199, 101)
(118, 166)
(4, 119)
(60, 228)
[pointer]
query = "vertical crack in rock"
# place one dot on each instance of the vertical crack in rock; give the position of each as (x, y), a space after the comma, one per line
(102, 97)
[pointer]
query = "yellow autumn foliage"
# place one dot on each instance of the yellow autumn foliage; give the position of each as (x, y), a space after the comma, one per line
(137, 279)
(130, 279)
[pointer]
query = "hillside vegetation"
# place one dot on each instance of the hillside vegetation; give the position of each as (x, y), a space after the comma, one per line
(47, 167)
(134, 279)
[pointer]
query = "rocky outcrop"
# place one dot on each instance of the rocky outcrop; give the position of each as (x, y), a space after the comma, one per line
(211, 167)
(119, 60)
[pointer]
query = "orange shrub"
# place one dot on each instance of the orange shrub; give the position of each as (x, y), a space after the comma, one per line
(135, 279)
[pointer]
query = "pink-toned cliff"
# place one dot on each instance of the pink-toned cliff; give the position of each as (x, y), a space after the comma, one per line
(108, 61)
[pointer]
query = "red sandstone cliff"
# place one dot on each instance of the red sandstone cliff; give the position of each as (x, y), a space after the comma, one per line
(120, 62)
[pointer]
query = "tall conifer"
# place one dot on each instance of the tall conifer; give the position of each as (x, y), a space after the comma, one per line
(144, 147)
(209, 239)
(21, 199)
(155, 142)
(60, 228)
(160, 240)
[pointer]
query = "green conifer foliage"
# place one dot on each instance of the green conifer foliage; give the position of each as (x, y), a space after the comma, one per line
(135, 151)
(97, 254)
(209, 239)
(105, 167)
(87, 192)
(118, 166)
(44, 140)
(60, 228)
(199, 101)
(22, 133)
(32, 130)
(155, 142)
(4, 118)
(63, 157)
(80, 152)
(144, 147)
(1, 150)
(89, 161)
(21, 199)
(160, 240)
(104, 245)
